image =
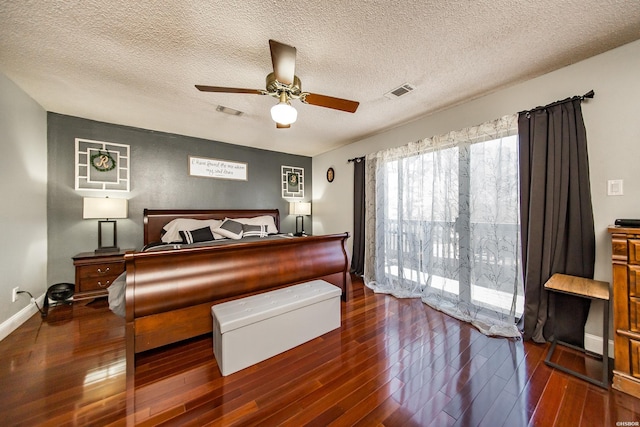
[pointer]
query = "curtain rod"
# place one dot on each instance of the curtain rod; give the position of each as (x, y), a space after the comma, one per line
(355, 159)
(589, 95)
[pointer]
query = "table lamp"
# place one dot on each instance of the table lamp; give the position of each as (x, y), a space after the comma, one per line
(300, 209)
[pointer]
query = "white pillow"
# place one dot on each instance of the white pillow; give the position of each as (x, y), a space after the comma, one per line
(173, 228)
(267, 220)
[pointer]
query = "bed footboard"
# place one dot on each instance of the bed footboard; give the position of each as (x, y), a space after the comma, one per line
(170, 293)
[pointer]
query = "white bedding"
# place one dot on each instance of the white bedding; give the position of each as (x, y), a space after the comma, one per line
(117, 295)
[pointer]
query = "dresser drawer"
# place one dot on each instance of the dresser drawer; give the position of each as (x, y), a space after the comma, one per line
(634, 280)
(634, 251)
(635, 358)
(634, 314)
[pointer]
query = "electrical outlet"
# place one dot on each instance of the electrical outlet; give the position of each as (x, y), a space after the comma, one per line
(14, 294)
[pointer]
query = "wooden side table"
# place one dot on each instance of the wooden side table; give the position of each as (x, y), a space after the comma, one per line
(95, 272)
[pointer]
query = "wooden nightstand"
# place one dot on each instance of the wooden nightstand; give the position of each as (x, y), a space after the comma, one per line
(95, 272)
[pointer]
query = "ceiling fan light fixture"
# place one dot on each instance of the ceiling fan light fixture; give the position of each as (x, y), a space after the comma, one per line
(284, 113)
(283, 84)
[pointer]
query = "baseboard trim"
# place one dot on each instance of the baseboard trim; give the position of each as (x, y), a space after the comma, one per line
(15, 321)
(593, 343)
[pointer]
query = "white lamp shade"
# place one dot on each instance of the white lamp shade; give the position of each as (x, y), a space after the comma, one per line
(284, 113)
(300, 208)
(104, 207)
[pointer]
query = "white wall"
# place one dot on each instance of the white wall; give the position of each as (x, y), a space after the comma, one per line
(613, 137)
(23, 212)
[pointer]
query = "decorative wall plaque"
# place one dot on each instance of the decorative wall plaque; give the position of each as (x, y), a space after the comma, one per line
(292, 182)
(102, 166)
(331, 174)
(215, 168)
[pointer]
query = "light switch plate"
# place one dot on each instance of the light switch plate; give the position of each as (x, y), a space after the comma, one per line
(614, 187)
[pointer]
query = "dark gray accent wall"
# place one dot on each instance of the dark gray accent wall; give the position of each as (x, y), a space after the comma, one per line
(159, 180)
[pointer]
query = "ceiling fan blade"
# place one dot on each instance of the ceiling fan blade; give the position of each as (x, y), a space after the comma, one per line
(281, 126)
(330, 102)
(228, 90)
(283, 58)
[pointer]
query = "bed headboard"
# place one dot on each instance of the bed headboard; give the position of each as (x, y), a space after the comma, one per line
(155, 219)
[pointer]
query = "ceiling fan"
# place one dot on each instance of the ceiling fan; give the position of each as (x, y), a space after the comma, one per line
(283, 84)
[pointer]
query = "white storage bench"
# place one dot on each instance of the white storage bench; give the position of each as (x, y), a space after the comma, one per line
(252, 329)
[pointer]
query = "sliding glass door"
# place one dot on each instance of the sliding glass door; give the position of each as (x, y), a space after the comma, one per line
(446, 226)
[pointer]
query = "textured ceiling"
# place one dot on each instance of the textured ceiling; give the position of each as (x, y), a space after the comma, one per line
(136, 62)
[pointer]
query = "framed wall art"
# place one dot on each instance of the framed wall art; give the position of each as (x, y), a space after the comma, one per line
(102, 166)
(292, 182)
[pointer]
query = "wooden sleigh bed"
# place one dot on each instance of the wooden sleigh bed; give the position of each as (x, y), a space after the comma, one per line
(169, 293)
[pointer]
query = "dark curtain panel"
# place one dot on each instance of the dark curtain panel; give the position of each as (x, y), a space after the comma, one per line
(357, 260)
(556, 218)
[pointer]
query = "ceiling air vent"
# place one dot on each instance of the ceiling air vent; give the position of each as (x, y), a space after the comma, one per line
(400, 91)
(227, 110)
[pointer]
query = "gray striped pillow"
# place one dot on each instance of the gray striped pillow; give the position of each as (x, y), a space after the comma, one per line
(254, 230)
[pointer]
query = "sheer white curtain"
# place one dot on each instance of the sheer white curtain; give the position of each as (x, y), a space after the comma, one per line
(442, 224)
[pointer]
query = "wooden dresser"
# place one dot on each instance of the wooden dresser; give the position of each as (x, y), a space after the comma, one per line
(96, 272)
(626, 308)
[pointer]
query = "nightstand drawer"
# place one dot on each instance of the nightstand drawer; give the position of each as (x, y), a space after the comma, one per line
(95, 272)
(106, 270)
(96, 283)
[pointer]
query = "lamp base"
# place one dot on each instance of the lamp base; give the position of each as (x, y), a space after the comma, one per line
(107, 250)
(107, 237)
(300, 228)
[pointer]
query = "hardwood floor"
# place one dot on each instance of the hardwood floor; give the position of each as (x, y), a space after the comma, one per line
(393, 362)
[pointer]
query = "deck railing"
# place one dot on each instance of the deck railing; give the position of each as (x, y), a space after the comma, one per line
(432, 248)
